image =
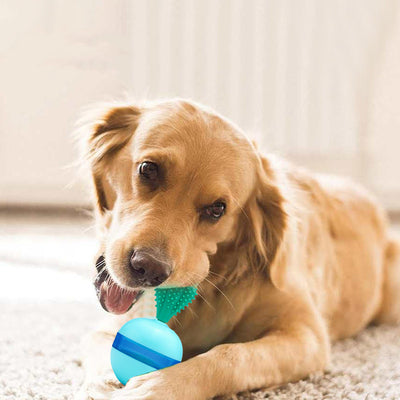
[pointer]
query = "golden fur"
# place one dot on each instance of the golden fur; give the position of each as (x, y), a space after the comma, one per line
(298, 260)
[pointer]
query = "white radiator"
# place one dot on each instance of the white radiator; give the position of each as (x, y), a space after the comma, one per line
(315, 80)
(295, 73)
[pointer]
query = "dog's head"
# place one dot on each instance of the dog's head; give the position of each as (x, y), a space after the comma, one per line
(173, 181)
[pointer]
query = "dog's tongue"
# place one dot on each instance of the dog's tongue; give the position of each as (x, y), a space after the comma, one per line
(114, 298)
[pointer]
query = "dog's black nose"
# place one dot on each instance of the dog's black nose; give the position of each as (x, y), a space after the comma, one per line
(149, 268)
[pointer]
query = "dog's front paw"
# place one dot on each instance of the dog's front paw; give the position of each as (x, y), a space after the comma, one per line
(159, 385)
(99, 389)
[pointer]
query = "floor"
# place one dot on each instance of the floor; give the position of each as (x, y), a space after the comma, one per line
(47, 304)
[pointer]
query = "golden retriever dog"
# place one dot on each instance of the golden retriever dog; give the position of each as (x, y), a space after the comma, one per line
(286, 261)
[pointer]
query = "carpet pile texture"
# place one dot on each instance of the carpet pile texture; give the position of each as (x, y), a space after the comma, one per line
(41, 327)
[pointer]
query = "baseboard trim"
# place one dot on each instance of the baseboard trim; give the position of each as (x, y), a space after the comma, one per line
(45, 210)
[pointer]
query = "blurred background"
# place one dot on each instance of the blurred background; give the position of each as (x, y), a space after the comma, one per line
(315, 81)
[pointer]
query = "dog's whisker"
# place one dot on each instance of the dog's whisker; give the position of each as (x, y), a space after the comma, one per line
(217, 275)
(188, 276)
(216, 287)
(87, 229)
(103, 268)
(241, 208)
(199, 290)
(101, 262)
(193, 312)
(110, 283)
(177, 321)
(206, 301)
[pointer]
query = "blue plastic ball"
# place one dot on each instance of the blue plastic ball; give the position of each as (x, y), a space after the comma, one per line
(144, 345)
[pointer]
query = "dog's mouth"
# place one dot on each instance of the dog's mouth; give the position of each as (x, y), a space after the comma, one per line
(114, 298)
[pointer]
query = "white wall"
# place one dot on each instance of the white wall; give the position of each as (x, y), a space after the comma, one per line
(317, 81)
(382, 166)
(55, 57)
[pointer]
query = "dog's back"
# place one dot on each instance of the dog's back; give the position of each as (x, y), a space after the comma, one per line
(354, 259)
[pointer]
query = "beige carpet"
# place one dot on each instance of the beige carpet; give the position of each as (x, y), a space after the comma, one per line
(47, 304)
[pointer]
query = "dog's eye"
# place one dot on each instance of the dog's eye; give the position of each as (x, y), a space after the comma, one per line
(148, 170)
(214, 211)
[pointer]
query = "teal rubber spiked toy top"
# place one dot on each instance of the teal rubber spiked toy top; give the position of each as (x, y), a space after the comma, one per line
(144, 345)
(172, 301)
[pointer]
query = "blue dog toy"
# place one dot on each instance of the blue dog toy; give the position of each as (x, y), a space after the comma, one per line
(144, 345)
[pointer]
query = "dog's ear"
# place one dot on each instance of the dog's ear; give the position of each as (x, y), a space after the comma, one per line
(107, 136)
(266, 224)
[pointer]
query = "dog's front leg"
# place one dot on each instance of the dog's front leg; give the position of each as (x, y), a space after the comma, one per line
(99, 379)
(285, 354)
